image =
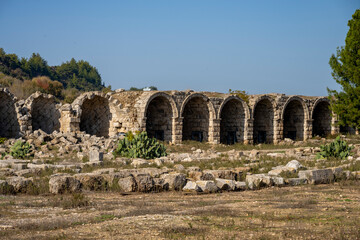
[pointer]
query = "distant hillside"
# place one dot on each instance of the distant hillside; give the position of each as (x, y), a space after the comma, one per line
(66, 81)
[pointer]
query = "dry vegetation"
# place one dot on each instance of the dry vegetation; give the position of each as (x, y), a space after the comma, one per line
(306, 212)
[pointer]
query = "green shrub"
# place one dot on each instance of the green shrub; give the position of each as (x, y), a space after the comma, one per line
(337, 149)
(2, 140)
(140, 146)
(21, 150)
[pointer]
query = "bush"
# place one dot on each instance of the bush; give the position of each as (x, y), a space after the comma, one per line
(2, 140)
(21, 149)
(140, 146)
(337, 149)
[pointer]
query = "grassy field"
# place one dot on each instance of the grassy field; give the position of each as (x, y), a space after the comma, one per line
(304, 212)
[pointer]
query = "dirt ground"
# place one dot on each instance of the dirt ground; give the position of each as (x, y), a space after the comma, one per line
(305, 212)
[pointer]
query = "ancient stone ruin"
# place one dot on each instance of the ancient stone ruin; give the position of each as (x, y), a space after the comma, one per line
(172, 116)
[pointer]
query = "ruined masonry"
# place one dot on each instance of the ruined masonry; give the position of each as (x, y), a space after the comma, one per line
(172, 116)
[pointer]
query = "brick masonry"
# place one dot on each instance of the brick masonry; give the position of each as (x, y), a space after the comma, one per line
(172, 116)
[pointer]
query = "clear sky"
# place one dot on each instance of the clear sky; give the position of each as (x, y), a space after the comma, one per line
(204, 45)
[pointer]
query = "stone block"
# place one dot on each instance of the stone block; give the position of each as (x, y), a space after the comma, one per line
(317, 176)
(96, 156)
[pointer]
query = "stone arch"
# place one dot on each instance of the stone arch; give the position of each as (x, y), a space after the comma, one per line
(263, 115)
(44, 113)
(197, 112)
(321, 116)
(233, 113)
(9, 125)
(160, 111)
(93, 110)
(294, 116)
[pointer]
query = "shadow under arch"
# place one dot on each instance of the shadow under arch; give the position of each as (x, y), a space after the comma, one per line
(233, 113)
(294, 115)
(263, 115)
(197, 111)
(160, 111)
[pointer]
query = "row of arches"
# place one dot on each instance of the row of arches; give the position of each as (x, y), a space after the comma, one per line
(197, 117)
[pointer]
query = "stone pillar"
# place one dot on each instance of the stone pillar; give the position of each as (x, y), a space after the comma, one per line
(308, 129)
(335, 129)
(177, 127)
(278, 130)
(214, 131)
(249, 132)
(68, 122)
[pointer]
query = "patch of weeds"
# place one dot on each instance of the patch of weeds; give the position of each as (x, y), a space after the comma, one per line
(104, 217)
(75, 200)
(85, 159)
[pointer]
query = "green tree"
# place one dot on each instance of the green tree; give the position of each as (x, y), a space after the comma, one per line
(346, 72)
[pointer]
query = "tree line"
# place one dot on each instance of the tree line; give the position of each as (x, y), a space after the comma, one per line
(69, 78)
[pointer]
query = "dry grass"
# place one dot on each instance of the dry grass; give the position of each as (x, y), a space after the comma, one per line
(305, 212)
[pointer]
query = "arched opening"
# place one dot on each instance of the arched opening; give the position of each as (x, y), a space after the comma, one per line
(9, 125)
(232, 122)
(263, 122)
(196, 120)
(294, 120)
(159, 119)
(322, 119)
(44, 115)
(95, 116)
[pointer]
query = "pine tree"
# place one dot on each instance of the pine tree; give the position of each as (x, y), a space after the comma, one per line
(346, 72)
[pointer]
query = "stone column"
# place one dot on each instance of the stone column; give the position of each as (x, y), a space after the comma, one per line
(214, 131)
(177, 126)
(68, 122)
(335, 129)
(308, 129)
(278, 130)
(249, 132)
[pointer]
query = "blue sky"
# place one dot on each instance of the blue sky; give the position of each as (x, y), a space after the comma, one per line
(205, 45)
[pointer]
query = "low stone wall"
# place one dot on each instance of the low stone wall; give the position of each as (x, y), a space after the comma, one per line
(172, 116)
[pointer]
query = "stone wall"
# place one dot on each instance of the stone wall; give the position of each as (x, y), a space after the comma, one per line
(172, 116)
(44, 112)
(9, 125)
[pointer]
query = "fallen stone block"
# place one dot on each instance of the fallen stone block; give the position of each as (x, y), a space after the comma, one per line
(20, 184)
(191, 187)
(176, 181)
(225, 184)
(257, 181)
(240, 186)
(145, 182)
(92, 182)
(63, 183)
(127, 184)
(96, 156)
(207, 186)
(296, 181)
(278, 181)
(294, 164)
(317, 176)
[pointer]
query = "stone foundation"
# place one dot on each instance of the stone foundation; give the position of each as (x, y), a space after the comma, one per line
(172, 116)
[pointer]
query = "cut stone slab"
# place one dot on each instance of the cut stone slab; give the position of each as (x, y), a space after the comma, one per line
(96, 156)
(191, 187)
(257, 181)
(294, 164)
(240, 186)
(63, 183)
(176, 181)
(225, 184)
(296, 181)
(317, 176)
(127, 184)
(207, 186)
